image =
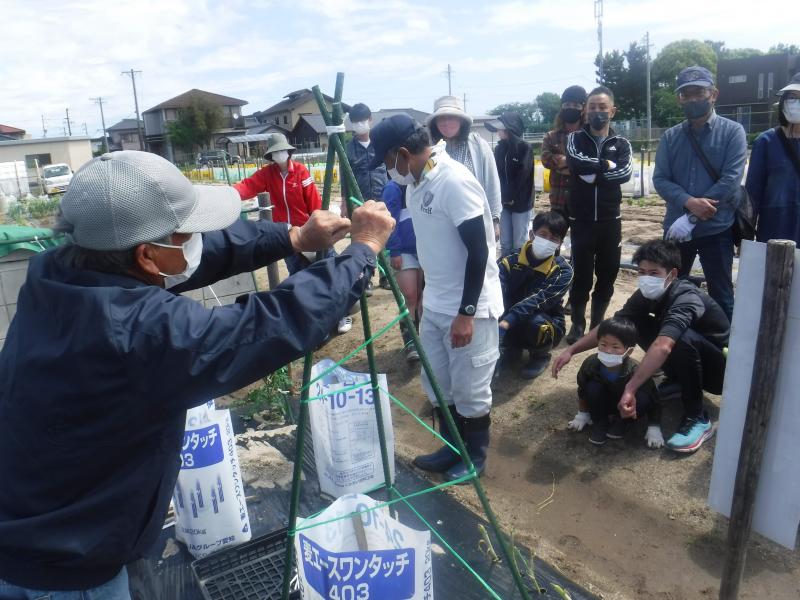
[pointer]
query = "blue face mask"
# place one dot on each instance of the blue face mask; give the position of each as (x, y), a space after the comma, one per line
(696, 108)
(192, 253)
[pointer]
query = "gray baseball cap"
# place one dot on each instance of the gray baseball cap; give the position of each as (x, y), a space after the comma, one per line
(121, 199)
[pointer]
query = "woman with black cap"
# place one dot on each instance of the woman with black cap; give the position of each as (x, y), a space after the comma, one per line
(554, 156)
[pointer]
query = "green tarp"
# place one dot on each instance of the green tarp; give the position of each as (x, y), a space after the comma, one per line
(17, 237)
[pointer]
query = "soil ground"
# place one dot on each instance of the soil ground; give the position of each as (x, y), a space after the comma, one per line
(626, 521)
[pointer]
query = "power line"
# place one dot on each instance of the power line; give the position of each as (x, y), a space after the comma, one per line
(132, 75)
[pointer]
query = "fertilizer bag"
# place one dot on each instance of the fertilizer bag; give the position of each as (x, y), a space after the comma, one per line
(367, 556)
(209, 498)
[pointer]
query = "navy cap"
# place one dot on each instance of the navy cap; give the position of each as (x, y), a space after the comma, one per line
(390, 133)
(699, 76)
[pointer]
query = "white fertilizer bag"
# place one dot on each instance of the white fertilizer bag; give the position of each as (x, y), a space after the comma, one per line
(366, 556)
(209, 498)
(347, 449)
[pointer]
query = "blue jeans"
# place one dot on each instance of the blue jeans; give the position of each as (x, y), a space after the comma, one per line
(116, 589)
(513, 231)
(716, 258)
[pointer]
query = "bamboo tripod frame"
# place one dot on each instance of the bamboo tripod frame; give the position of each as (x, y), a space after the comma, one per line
(336, 147)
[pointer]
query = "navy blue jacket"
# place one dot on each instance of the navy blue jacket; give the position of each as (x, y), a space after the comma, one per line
(774, 188)
(98, 371)
(532, 286)
(370, 182)
(403, 239)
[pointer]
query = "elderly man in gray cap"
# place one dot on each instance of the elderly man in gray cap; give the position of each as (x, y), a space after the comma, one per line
(103, 358)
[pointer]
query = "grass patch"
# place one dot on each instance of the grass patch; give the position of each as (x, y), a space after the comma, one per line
(269, 400)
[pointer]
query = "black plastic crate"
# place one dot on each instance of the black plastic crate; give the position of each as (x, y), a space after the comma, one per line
(249, 571)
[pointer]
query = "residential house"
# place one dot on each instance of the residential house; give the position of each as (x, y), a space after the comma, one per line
(287, 112)
(747, 88)
(124, 135)
(11, 133)
(157, 118)
(418, 115)
(310, 134)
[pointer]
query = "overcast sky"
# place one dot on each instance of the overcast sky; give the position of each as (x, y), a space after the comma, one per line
(58, 54)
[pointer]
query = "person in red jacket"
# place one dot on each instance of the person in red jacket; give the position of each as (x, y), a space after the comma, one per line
(293, 194)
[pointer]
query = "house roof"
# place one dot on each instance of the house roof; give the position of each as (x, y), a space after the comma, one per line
(266, 128)
(186, 99)
(418, 115)
(293, 100)
(125, 124)
(316, 122)
(7, 129)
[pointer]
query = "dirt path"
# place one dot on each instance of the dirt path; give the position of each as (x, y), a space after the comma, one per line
(625, 521)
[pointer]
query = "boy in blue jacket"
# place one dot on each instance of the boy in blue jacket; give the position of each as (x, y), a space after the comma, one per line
(534, 283)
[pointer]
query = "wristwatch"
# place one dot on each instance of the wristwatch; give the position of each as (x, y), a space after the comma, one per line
(468, 310)
(693, 219)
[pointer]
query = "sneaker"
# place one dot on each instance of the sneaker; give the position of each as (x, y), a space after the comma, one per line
(617, 429)
(537, 363)
(411, 353)
(368, 291)
(345, 325)
(691, 434)
(599, 432)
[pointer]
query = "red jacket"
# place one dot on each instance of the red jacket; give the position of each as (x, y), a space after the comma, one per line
(294, 197)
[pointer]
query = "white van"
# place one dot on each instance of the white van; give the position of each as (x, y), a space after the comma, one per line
(56, 178)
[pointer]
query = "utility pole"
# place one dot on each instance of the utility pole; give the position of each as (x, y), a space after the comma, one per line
(44, 127)
(132, 75)
(465, 101)
(69, 124)
(449, 74)
(598, 14)
(99, 100)
(649, 103)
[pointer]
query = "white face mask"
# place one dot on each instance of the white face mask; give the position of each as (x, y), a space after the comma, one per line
(651, 287)
(399, 179)
(543, 248)
(280, 157)
(611, 360)
(361, 127)
(192, 253)
(791, 110)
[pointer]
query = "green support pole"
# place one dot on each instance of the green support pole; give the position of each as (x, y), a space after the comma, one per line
(296, 475)
(327, 183)
(347, 172)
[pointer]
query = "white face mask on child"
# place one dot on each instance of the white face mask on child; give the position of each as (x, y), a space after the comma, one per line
(611, 360)
(543, 248)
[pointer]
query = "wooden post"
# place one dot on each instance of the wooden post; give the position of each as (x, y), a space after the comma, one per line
(641, 172)
(774, 309)
(266, 215)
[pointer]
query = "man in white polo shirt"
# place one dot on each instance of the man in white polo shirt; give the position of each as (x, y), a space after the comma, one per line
(462, 300)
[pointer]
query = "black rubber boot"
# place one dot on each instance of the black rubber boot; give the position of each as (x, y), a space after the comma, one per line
(598, 313)
(444, 458)
(476, 439)
(578, 327)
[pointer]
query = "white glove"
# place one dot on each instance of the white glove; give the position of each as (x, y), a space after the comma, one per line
(611, 165)
(654, 437)
(581, 420)
(589, 178)
(681, 229)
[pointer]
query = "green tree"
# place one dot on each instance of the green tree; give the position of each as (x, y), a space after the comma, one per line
(526, 110)
(676, 56)
(613, 69)
(724, 53)
(666, 110)
(195, 125)
(782, 48)
(548, 105)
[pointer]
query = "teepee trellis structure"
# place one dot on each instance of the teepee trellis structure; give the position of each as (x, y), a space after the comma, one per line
(333, 116)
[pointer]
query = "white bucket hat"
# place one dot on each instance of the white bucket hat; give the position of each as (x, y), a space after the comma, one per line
(449, 106)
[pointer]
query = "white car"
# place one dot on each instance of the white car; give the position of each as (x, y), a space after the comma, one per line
(56, 178)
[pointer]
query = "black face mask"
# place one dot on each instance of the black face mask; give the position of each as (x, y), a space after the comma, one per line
(696, 108)
(570, 115)
(598, 120)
